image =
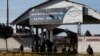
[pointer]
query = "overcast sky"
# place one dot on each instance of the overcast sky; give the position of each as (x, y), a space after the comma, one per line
(17, 7)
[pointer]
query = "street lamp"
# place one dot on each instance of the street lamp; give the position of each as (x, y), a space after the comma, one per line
(7, 23)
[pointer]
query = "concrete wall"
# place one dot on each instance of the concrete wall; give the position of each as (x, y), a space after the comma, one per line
(84, 41)
(13, 45)
(11, 42)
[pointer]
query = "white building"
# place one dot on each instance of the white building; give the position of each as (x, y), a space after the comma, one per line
(53, 13)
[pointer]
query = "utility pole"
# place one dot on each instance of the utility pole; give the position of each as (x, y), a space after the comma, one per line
(7, 23)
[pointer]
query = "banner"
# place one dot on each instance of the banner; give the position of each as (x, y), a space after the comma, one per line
(73, 15)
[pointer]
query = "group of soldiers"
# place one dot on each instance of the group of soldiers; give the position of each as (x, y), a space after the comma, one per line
(45, 46)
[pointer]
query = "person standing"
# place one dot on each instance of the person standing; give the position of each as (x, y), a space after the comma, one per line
(21, 48)
(42, 47)
(49, 45)
(64, 49)
(54, 48)
(32, 48)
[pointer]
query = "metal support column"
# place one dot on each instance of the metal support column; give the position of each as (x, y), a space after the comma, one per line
(23, 28)
(42, 34)
(79, 29)
(36, 31)
(16, 29)
(78, 34)
(51, 35)
(47, 36)
(31, 30)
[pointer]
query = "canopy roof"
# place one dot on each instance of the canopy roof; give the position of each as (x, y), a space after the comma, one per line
(89, 16)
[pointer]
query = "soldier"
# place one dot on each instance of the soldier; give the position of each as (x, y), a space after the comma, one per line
(21, 48)
(89, 50)
(64, 48)
(54, 48)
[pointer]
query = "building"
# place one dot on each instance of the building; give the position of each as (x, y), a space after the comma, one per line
(53, 13)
